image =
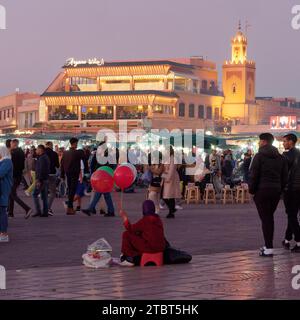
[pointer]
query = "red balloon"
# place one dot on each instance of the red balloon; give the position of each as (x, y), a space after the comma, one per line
(124, 177)
(102, 182)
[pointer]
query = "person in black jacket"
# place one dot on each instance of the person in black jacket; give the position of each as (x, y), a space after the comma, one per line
(18, 159)
(70, 167)
(54, 165)
(268, 177)
(42, 170)
(292, 192)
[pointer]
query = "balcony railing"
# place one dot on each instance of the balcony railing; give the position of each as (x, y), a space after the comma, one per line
(211, 92)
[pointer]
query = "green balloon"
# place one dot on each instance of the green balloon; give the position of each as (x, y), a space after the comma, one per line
(109, 170)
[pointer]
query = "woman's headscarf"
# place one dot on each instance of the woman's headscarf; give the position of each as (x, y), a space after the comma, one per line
(148, 208)
(4, 153)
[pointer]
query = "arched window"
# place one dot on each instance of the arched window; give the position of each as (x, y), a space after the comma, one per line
(234, 88)
(181, 110)
(209, 113)
(191, 110)
(201, 112)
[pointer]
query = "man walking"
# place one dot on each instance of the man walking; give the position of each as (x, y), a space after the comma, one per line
(268, 177)
(70, 167)
(292, 192)
(54, 165)
(18, 160)
(42, 170)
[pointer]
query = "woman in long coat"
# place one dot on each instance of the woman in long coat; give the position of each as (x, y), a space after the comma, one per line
(171, 184)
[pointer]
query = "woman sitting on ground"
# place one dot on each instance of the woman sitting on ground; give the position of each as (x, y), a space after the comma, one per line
(145, 236)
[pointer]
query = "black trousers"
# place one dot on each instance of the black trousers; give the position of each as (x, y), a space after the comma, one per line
(72, 181)
(266, 202)
(15, 198)
(292, 204)
(171, 205)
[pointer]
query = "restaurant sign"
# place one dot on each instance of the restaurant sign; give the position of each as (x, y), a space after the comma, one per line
(71, 62)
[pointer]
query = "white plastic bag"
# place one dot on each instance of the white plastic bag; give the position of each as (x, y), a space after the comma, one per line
(98, 255)
(100, 245)
(96, 261)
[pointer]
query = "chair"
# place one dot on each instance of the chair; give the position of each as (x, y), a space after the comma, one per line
(242, 193)
(152, 258)
(209, 194)
(227, 195)
(192, 193)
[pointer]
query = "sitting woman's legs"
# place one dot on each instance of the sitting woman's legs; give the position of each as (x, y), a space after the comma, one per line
(132, 245)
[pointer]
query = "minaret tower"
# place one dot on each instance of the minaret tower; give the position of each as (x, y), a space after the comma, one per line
(239, 82)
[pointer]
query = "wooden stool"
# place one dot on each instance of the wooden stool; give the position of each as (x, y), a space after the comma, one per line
(152, 258)
(227, 195)
(192, 193)
(210, 194)
(245, 186)
(242, 194)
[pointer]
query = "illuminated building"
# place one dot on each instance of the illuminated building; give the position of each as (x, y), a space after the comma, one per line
(174, 93)
(18, 111)
(88, 95)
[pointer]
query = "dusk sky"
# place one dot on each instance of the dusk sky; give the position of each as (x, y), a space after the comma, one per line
(41, 35)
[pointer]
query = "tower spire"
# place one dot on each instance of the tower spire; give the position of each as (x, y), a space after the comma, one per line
(240, 25)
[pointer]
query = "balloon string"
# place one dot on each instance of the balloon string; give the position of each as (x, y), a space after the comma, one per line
(119, 200)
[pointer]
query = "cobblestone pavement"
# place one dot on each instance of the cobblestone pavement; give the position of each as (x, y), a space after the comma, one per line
(43, 259)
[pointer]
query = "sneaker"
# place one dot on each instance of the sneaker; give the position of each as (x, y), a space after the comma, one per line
(178, 207)
(286, 245)
(102, 212)
(50, 212)
(296, 249)
(78, 209)
(170, 216)
(162, 207)
(264, 253)
(28, 214)
(126, 262)
(109, 215)
(86, 211)
(4, 238)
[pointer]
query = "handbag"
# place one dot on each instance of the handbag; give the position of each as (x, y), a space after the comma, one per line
(175, 256)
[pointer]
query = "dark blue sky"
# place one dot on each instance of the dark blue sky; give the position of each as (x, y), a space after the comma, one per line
(41, 35)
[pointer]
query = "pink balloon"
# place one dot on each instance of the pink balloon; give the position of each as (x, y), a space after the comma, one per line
(124, 177)
(102, 182)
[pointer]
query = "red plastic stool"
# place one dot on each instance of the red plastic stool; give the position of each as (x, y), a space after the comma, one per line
(156, 258)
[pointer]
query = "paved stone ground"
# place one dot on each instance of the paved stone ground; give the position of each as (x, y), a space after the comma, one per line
(43, 259)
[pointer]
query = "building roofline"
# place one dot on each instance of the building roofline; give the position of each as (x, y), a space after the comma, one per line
(109, 93)
(132, 63)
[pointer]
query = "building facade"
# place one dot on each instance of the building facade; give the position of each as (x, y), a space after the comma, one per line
(89, 95)
(18, 111)
(174, 93)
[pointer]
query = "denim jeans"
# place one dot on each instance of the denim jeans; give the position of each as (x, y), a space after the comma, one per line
(52, 189)
(108, 200)
(43, 191)
(3, 219)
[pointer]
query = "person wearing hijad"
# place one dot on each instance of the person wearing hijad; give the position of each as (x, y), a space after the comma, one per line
(6, 182)
(145, 236)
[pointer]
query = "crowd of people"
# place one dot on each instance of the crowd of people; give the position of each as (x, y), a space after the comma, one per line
(44, 170)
